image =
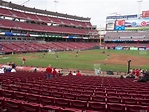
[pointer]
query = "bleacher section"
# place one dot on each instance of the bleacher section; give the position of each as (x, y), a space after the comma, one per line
(127, 36)
(31, 92)
(41, 23)
(20, 47)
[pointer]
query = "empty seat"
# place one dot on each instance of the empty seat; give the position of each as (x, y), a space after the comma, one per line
(97, 106)
(19, 95)
(87, 93)
(69, 96)
(8, 93)
(30, 107)
(32, 98)
(115, 107)
(62, 102)
(131, 101)
(84, 97)
(100, 93)
(113, 100)
(136, 108)
(98, 98)
(14, 88)
(70, 110)
(13, 105)
(45, 93)
(112, 94)
(24, 89)
(49, 108)
(76, 92)
(143, 102)
(34, 91)
(2, 103)
(45, 100)
(57, 94)
(79, 104)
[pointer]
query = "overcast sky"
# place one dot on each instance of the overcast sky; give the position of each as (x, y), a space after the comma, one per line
(97, 10)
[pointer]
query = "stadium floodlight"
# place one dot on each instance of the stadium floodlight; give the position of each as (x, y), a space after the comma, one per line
(56, 2)
(116, 14)
(139, 0)
(139, 7)
(25, 2)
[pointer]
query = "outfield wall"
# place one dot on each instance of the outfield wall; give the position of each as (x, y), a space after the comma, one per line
(126, 48)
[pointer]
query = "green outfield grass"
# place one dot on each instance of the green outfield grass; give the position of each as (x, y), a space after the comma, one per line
(84, 61)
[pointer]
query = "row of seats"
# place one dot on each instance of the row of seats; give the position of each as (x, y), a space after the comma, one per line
(65, 105)
(125, 44)
(35, 46)
(85, 90)
(44, 28)
(130, 35)
(46, 19)
(36, 96)
(36, 89)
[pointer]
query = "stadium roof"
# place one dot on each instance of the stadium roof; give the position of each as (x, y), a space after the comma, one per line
(24, 8)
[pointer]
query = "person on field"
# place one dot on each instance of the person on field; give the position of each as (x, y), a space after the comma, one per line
(57, 57)
(23, 61)
(49, 72)
(77, 53)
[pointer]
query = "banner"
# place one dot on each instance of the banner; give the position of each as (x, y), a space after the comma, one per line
(132, 24)
(142, 48)
(133, 48)
(145, 14)
(118, 48)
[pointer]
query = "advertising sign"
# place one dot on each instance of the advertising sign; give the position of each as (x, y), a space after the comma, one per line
(118, 48)
(133, 48)
(133, 24)
(145, 14)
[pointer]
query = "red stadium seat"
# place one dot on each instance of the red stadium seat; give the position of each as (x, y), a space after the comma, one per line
(131, 101)
(77, 104)
(83, 97)
(136, 108)
(57, 94)
(96, 106)
(113, 100)
(62, 102)
(2, 103)
(30, 107)
(20, 95)
(32, 98)
(13, 105)
(8, 93)
(45, 100)
(69, 96)
(49, 108)
(143, 102)
(115, 107)
(98, 98)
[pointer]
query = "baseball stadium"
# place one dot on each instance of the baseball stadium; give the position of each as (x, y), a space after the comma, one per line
(56, 62)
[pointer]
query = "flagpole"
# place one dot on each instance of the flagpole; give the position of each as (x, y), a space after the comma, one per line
(100, 43)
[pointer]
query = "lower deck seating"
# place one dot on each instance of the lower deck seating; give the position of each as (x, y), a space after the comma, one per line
(74, 94)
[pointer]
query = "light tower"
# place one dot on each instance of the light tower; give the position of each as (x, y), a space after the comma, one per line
(139, 8)
(24, 2)
(56, 2)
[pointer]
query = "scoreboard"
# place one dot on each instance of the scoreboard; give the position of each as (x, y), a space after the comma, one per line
(128, 22)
